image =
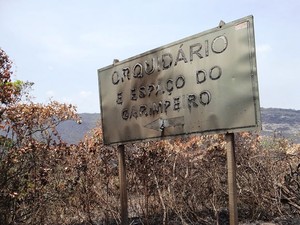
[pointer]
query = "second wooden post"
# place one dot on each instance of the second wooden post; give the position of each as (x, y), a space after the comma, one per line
(123, 185)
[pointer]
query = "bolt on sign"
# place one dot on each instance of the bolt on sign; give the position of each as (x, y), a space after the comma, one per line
(206, 83)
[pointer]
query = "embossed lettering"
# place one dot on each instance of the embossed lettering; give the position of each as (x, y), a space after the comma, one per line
(195, 51)
(143, 110)
(149, 69)
(142, 92)
(125, 114)
(215, 72)
(115, 78)
(200, 76)
(138, 70)
(167, 60)
(205, 97)
(119, 98)
(192, 101)
(133, 94)
(219, 44)
(169, 86)
(180, 82)
(176, 104)
(180, 56)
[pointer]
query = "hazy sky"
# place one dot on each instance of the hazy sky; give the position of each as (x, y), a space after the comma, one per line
(60, 44)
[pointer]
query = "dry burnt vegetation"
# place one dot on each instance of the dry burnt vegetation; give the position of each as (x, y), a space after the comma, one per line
(45, 181)
(179, 181)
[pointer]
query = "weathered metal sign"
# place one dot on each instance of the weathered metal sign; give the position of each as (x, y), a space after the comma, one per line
(206, 83)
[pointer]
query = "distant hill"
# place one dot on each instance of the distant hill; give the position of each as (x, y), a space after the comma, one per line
(275, 121)
(281, 122)
(72, 132)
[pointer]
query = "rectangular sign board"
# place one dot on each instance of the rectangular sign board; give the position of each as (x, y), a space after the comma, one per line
(206, 83)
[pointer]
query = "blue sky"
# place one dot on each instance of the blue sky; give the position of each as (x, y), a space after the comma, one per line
(60, 44)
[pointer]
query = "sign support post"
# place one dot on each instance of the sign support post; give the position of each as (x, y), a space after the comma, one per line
(232, 187)
(123, 185)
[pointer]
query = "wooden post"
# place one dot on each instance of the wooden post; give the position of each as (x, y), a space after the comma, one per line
(232, 189)
(123, 185)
